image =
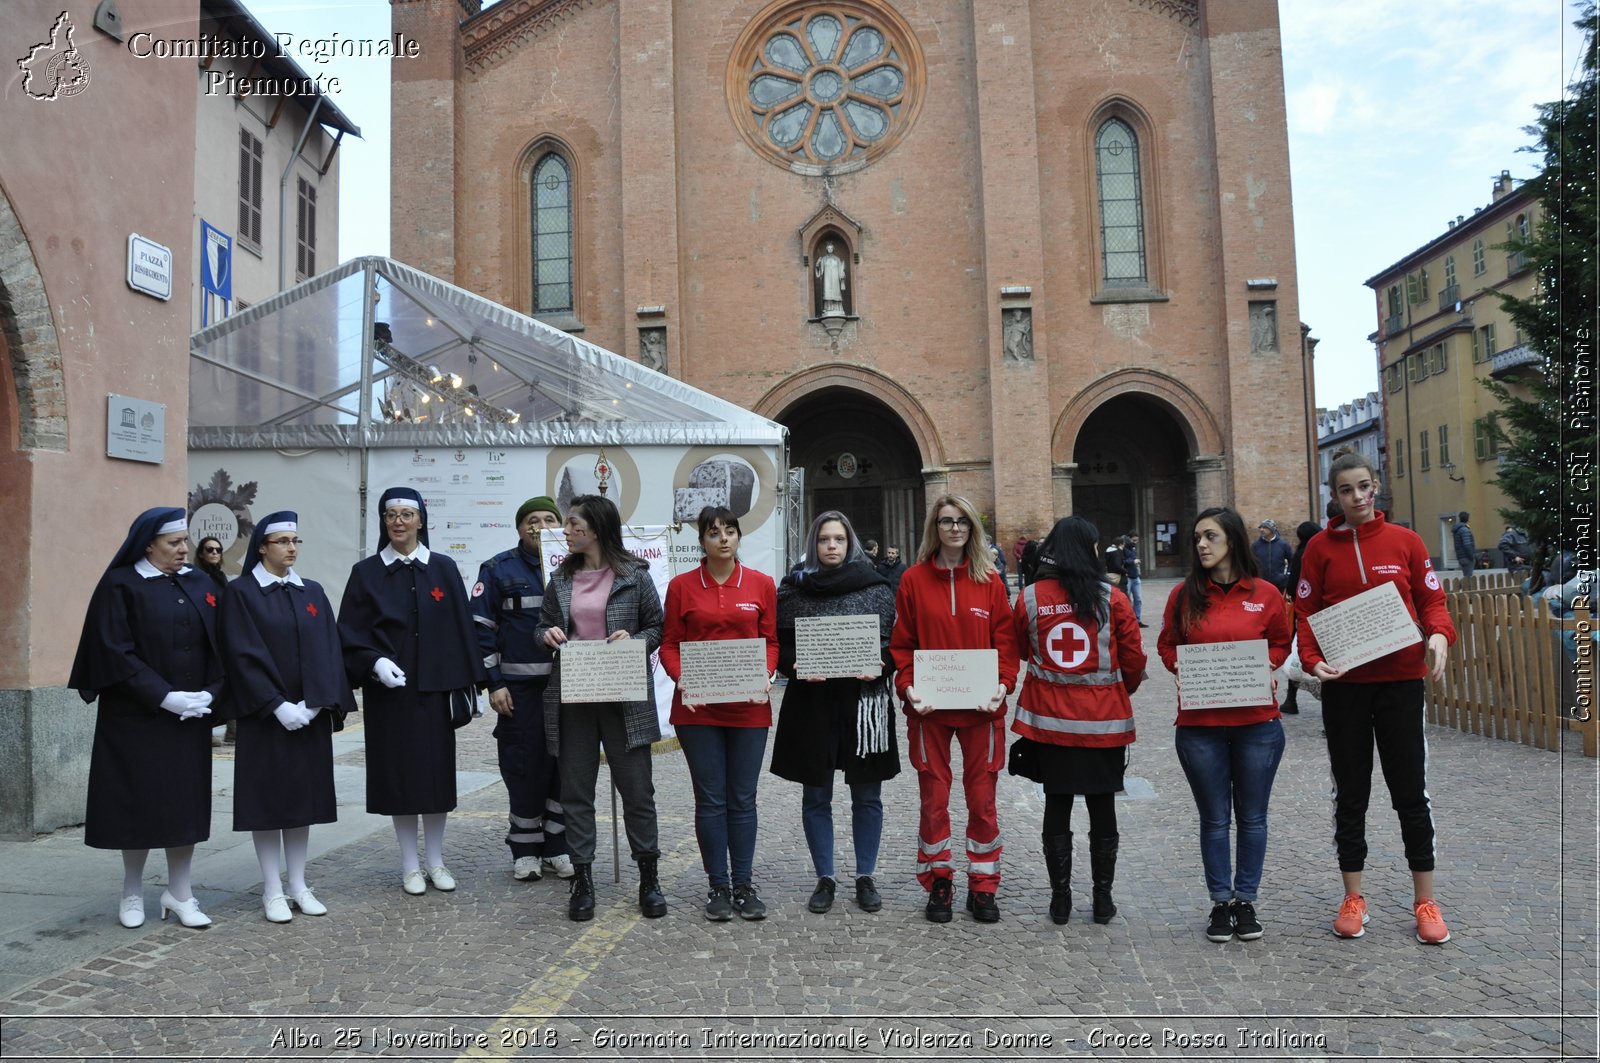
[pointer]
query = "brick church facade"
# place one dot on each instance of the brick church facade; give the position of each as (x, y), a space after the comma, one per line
(1037, 253)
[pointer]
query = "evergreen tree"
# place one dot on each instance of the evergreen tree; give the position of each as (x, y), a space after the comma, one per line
(1548, 466)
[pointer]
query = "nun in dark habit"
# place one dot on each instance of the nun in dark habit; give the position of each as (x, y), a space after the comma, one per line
(286, 676)
(149, 652)
(409, 644)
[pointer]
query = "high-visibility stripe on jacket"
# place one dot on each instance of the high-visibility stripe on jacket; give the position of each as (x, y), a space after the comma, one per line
(1074, 694)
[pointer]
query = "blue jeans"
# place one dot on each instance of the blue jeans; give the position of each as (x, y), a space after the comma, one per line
(1230, 770)
(725, 766)
(1132, 588)
(866, 825)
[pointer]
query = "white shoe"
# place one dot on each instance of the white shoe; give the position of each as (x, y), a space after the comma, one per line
(277, 908)
(413, 883)
(131, 914)
(442, 880)
(561, 865)
(188, 912)
(525, 869)
(307, 902)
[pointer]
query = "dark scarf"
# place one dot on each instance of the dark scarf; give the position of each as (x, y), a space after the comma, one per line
(829, 583)
(849, 590)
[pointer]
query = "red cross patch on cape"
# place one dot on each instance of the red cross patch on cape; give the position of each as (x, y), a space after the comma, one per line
(211, 599)
(311, 607)
(438, 595)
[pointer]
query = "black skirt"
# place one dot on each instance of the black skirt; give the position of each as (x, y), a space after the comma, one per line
(411, 751)
(149, 778)
(1070, 769)
(283, 779)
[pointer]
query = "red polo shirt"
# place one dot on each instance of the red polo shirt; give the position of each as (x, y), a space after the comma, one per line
(699, 609)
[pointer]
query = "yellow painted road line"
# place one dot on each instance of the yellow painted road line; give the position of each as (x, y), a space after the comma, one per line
(550, 992)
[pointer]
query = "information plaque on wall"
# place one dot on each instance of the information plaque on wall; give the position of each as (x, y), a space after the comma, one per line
(135, 429)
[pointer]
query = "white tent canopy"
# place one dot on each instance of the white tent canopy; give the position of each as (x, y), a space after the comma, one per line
(377, 354)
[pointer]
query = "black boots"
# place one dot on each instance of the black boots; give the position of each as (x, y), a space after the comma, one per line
(580, 900)
(652, 905)
(1058, 861)
(1103, 870)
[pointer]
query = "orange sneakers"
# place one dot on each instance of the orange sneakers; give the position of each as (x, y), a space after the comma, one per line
(1430, 923)
(1352, 920)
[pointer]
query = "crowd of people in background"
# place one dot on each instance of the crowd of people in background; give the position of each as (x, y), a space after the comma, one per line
(169, 650)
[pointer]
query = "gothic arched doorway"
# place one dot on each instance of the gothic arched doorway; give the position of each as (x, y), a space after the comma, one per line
(1132, 457)
(861, 459)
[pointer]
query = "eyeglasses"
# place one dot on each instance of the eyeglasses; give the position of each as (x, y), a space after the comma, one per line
(953, 522)
(285, 542)
(399, 516)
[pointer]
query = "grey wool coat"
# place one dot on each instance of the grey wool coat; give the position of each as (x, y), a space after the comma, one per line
(634, 606)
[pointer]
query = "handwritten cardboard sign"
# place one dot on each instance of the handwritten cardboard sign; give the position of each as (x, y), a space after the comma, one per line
(956, 679)
(1224, 675)
(1373, 624)
(593, 670)
(831, 647)
(723, 670)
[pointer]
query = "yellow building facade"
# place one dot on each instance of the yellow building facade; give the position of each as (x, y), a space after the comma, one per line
(1441, 333)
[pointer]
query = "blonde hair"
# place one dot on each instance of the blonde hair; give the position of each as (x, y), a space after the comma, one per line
(980, 566)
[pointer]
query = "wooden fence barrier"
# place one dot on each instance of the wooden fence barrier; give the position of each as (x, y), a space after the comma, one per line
(1509, 677)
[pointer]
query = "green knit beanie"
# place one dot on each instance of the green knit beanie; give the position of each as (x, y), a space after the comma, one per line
(543, 502)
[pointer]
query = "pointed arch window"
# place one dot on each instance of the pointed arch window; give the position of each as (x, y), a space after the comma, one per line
(551, 212)
(1122, 235)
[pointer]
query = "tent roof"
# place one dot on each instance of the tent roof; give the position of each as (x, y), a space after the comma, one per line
(376, 353)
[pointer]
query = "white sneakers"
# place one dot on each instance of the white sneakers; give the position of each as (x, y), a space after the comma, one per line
(188, 912)
(413, 883)
(277, 908)
(532, 868)
(131, 913)
(441, 879)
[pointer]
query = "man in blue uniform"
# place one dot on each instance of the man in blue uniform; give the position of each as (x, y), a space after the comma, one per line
(505, 604)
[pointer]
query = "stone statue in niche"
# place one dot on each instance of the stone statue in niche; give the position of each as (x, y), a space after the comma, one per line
(1263, 326)
(831, 269)
(1016, 327)
(653, 348)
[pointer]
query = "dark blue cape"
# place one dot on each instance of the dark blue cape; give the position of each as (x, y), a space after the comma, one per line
(281, 643)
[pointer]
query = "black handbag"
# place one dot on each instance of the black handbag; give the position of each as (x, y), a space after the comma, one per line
(462, 702)
(1023, 759)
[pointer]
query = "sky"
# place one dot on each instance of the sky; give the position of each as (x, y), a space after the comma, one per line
(1401, 115)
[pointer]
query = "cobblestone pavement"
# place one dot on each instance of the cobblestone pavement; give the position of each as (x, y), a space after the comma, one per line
(495, 969)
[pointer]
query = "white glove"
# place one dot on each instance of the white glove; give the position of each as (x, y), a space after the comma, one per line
(290, 715)
(186, 704)
(388, 673)
(199, 705)
(310, 714)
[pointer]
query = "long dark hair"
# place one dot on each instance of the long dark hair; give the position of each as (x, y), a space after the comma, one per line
(600, 513)
(1194, 595)
(1069, 556)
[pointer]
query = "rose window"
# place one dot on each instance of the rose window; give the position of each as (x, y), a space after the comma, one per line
(825, 85)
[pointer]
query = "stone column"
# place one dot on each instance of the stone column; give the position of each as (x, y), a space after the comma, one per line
(1210, 472)
(1061, 490)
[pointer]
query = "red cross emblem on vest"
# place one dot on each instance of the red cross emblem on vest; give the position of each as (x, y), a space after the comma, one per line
(211, 599)
(438, 595)
(311, 607)
(1068, 646)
